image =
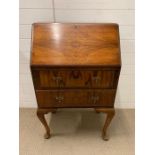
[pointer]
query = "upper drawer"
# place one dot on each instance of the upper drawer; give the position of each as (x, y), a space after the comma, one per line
(50, 78)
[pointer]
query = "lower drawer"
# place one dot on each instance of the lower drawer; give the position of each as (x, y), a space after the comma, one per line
(75, 98)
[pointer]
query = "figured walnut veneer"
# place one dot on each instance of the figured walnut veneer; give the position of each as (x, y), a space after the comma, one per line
(75, 65)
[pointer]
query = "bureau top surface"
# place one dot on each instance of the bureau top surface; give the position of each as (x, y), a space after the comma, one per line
(60, 44)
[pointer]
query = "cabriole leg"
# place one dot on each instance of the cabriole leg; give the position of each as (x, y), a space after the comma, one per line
(41, 115)
(110, 114)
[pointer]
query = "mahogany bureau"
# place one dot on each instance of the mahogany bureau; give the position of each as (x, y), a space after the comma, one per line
(75, 66)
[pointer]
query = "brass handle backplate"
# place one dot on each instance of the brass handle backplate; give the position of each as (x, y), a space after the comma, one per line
(95, 99)
(59, 81)
(97, 79)
(59, 98)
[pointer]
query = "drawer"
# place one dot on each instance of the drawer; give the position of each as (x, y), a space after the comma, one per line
(75, 98)
(47, 79)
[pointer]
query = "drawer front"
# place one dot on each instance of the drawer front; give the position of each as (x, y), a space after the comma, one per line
(75, 98)
(47, 79)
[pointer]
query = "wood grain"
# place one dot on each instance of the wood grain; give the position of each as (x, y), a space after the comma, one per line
(75, 78)
(75, 44)
(75, 65)
(75, 98)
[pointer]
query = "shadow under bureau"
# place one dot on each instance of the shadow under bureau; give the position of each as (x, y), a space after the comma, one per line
(75, 66)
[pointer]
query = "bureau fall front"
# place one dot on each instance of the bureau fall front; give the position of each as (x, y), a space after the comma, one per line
(75, 65)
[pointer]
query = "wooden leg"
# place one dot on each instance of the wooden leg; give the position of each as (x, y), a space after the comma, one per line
(110, 114)
(41, 115)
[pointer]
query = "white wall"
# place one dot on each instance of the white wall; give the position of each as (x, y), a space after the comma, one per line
(119, 11)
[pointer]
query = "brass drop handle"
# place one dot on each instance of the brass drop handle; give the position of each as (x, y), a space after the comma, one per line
(97, 79)
(59, 98)
(58, 80)
(95, 99)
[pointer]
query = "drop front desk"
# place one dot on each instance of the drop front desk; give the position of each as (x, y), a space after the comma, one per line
(75, 66)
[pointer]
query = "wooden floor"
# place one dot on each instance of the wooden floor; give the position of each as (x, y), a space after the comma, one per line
(77, 132)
